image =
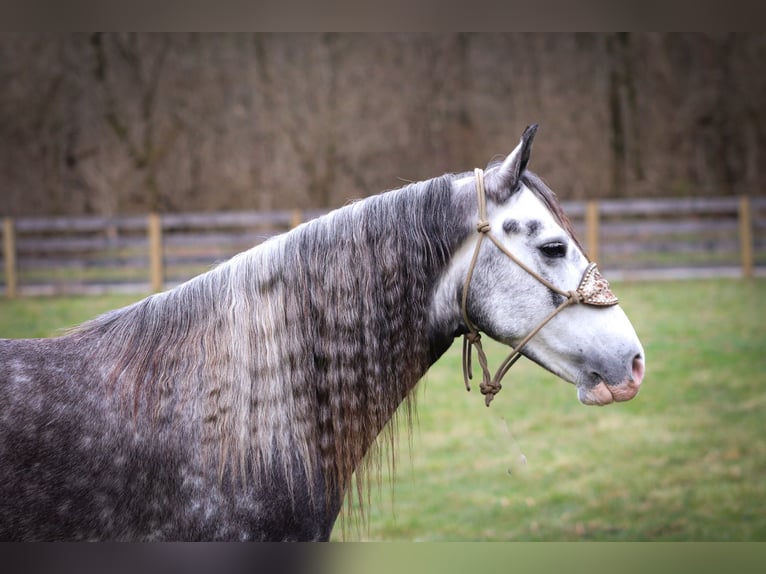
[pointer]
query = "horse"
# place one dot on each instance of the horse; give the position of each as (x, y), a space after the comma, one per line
(239, 404)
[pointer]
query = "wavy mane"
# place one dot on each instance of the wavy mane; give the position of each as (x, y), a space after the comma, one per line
(296, 352)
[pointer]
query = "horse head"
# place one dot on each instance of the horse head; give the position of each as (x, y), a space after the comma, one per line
(532, 286)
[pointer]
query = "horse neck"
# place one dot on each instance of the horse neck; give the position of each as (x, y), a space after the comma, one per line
(365, 276)
(299, 351)
(354, 289)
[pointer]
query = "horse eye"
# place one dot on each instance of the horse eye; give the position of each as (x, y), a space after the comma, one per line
(554, 250)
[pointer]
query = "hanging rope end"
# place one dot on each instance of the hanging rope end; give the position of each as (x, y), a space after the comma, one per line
(467, 367)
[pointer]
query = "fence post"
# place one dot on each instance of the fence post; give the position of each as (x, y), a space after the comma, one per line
(591, 229)
(155, 252)
(746, 237)
(296, 218)
(9, 257)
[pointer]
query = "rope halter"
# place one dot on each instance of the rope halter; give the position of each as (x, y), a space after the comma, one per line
(593, 290)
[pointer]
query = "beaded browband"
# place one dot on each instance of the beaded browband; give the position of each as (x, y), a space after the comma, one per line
(593, 290)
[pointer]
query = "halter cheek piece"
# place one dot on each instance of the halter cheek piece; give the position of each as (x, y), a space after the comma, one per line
(593, 290)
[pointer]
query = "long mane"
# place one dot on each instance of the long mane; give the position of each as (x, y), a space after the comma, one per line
(299, 351)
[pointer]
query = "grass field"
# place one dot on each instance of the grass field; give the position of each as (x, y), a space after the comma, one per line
(685, 460)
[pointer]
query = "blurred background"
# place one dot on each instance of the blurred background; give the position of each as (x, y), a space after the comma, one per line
(129, 123)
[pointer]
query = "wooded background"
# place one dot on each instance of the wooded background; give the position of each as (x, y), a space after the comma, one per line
(130, 123)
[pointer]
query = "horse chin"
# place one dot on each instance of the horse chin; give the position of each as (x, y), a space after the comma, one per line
(602, 394)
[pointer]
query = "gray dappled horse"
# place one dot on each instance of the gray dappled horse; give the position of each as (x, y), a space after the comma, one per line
(238, 405)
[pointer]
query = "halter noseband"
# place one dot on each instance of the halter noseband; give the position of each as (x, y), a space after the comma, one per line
(593, 290)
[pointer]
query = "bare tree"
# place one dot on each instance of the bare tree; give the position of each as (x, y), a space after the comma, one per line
(134, 121)
(114, 123)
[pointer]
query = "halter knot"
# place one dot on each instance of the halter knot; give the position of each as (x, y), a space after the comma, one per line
(489, 390)
(473, 337)
(574, 297)
(483, 226)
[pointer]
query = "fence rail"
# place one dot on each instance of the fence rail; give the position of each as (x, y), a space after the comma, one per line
(631, 239)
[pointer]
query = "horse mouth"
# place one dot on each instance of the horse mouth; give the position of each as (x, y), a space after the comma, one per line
(602, 394)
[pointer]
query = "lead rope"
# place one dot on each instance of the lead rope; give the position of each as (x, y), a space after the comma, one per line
(592, 290)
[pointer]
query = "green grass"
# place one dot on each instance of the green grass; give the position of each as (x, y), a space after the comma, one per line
(685, 460)
(50, 316)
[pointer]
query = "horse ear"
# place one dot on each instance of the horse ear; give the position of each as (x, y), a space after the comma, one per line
(505, 179)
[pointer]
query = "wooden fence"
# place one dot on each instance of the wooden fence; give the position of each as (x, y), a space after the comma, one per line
(674, 238)
(631, 239)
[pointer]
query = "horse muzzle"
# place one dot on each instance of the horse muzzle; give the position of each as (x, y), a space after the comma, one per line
(603, 393)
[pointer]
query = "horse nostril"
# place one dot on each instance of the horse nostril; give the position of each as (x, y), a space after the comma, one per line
(638, 369)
